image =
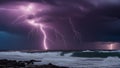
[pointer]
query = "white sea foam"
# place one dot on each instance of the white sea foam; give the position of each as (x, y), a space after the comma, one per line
(66, 60)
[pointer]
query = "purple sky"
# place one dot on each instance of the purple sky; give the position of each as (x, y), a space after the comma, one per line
(68, 24)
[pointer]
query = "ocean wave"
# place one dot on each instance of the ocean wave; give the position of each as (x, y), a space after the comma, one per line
(63, 60)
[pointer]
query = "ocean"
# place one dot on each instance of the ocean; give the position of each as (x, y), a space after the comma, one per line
(71, 59)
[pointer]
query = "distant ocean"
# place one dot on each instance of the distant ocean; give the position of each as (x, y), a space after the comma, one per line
(72, 59)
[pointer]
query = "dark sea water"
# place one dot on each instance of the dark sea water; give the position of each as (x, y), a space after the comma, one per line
(72, 59)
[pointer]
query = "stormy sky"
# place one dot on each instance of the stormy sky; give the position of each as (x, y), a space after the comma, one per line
(74, 24)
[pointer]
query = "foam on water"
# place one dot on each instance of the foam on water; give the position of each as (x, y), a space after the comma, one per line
(110, 61)
(66, 60)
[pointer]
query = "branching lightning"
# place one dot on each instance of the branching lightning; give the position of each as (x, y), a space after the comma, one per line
(76, 33)
(28, 10)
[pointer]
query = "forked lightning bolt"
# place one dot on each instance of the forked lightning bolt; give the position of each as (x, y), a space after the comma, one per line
(28, 10)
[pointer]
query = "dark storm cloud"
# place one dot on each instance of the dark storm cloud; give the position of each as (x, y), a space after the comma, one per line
(96, 20)
(91, 17)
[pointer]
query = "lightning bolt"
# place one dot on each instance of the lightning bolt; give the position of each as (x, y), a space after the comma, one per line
(76, 33)
(31, 9)
(45, 36)
(42, 29)
(111, 46)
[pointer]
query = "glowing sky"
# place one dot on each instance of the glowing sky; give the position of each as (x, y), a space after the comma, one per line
(60, 24)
